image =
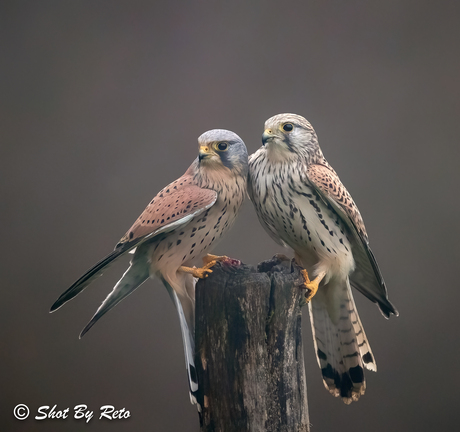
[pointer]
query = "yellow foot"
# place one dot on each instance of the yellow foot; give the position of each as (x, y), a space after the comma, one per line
(200, 273)
(211, 260)
(311, 286)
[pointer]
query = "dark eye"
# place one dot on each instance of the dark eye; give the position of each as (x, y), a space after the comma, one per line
(222, 146)
(288, 127)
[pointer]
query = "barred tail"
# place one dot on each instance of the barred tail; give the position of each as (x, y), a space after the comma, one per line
(341, 346)
(185, 310)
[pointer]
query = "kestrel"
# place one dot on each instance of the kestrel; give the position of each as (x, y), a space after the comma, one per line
(178, 227)
(301, 203)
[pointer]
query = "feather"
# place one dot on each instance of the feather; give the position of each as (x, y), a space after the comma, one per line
(367, 277)
(134, 277)
(341, 345)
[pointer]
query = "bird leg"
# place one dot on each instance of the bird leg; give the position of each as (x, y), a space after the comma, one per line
(311, 286)
(208, 262)
(211, 260)
(199, 273)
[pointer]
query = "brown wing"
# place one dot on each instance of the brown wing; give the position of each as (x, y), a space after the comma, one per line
(327, 181)
(174, 206)
(367, 277)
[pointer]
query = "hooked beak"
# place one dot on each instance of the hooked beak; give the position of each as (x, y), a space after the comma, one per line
(267, 136)
(205, 152)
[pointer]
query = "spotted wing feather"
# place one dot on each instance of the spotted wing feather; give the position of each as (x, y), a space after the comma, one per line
(172, 204)
(174, 207)
(367, 277)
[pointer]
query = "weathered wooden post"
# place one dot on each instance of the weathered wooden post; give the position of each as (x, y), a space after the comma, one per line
(249, 357)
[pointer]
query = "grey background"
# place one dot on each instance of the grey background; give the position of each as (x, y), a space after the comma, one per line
(101, 104)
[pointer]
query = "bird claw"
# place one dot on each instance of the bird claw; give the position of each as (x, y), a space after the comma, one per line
(201, 273)
(310, 286)
(211, 260)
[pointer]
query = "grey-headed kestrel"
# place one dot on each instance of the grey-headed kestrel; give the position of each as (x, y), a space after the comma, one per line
(178, 227)
(301, 203)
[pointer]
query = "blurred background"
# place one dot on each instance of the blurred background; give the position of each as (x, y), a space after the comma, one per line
(101, 105)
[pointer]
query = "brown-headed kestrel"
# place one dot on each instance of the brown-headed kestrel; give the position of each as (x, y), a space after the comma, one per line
(178, 227)
(301, 203)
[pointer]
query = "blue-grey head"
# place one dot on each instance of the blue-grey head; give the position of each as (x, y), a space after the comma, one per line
(223, 149)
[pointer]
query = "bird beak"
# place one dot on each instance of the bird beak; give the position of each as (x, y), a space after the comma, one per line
(205, 152)
(266, 136)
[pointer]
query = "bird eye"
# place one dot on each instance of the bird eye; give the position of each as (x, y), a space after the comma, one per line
(222, 146)
(288, 127)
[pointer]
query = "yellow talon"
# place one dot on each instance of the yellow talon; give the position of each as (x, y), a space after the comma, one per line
(311, 286)
(203, 272)
(211, 260)
(200, 273)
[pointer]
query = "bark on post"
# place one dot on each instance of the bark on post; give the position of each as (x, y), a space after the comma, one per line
(249, 356)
